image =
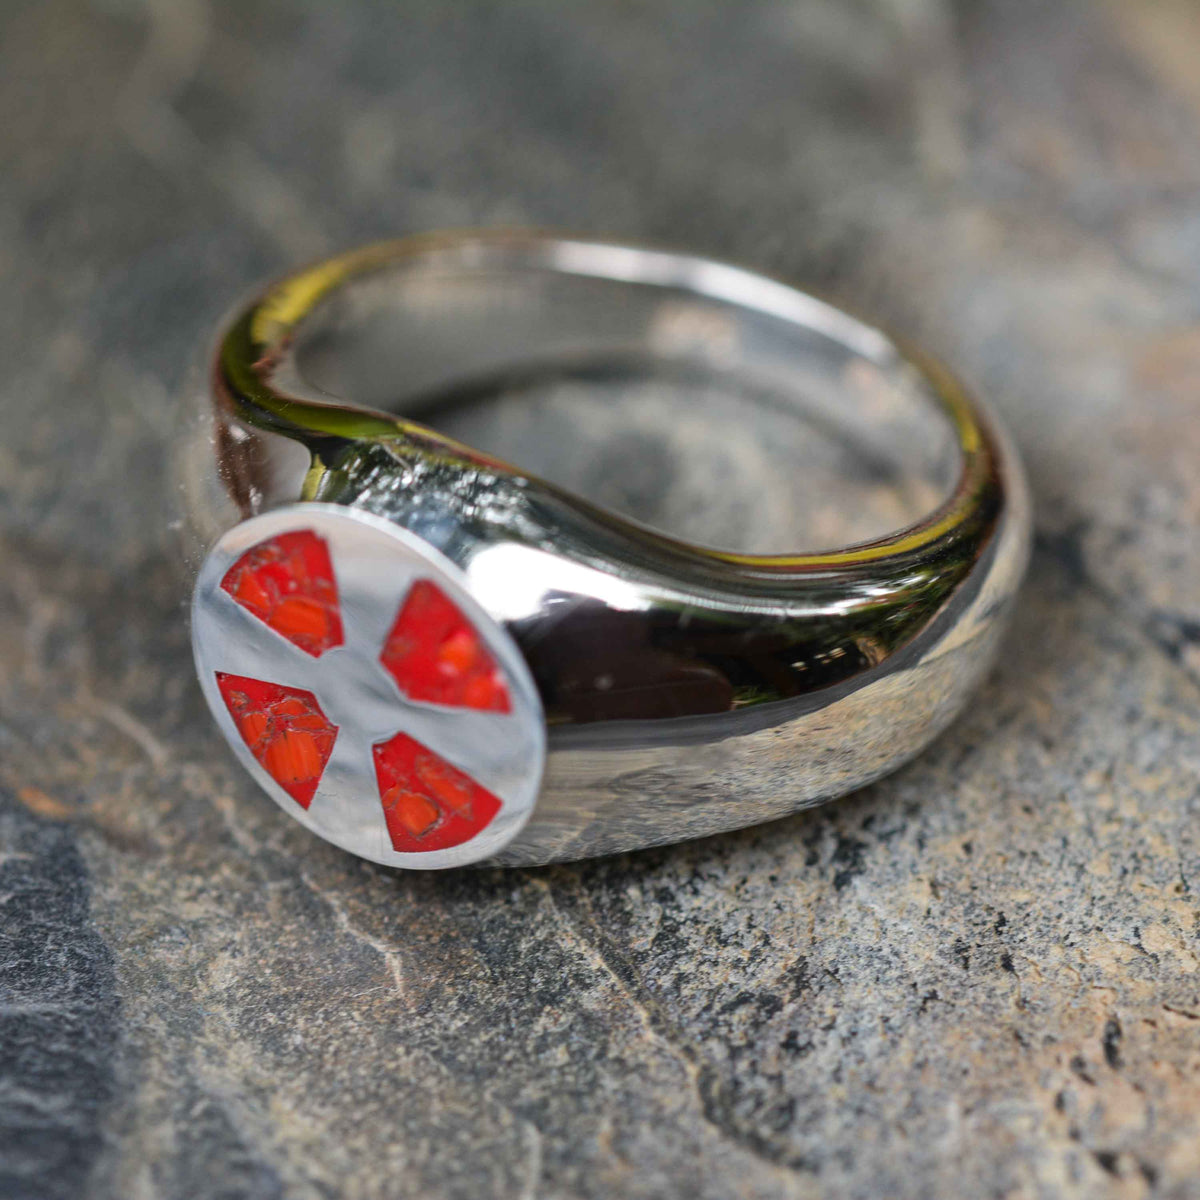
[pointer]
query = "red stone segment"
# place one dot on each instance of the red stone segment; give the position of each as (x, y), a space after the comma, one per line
(287, 583)
(435, 655)
(427, 803)
(285, 729)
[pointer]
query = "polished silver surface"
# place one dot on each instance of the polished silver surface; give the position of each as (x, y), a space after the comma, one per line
(375, 564)
(686, 689)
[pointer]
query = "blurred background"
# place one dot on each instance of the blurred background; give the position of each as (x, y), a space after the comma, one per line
(977, 978)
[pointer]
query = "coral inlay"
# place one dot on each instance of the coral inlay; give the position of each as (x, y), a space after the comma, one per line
(427, 803)
(435, 655)
(287, 583)
(285, 729)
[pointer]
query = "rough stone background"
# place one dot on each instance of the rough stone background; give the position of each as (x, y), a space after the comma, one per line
(975, 979)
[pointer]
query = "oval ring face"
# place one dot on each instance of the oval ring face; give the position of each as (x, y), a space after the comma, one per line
(362, 686)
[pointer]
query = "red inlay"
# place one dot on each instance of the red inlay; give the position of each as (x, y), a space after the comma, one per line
(287, 583)
(428, 804)
(433, 654)
(285, 729)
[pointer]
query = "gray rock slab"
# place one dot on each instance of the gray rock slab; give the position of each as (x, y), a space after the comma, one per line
(978, 978)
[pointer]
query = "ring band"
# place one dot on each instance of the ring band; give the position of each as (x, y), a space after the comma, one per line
(432, 658)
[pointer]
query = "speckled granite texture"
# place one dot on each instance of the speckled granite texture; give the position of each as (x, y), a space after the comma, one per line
(976, 979)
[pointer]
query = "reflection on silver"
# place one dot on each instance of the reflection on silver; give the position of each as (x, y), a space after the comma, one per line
(520, 580)
(681, 690)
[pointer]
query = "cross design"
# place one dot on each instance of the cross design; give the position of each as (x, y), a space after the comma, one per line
(362, 689)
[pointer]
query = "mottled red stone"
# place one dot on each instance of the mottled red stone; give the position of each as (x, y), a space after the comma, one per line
(427, 803)
(285, 729)
(287, 583)
(435, 655)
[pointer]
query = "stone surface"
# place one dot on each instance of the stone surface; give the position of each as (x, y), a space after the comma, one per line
(975, 979)
(435, 656)
(287, 583)
(429, 804)
(285, 728)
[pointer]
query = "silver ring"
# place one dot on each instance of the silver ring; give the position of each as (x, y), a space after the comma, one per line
(431, 658)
